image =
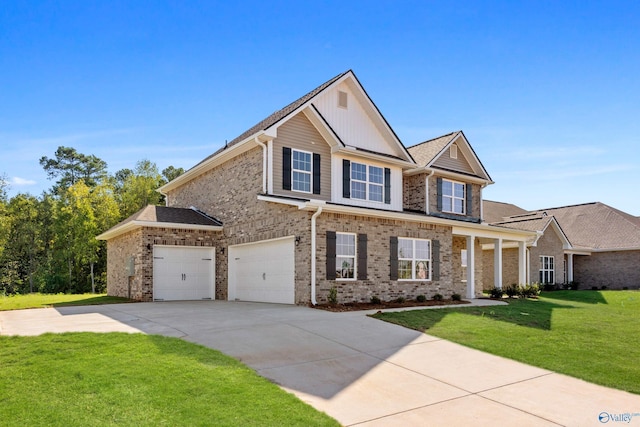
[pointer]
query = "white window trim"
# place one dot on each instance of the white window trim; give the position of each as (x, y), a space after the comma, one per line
(414, 260)
(355, 258)
(367, 182)
(454, 198)
(463, 263)
(310, 173)
(547, 270)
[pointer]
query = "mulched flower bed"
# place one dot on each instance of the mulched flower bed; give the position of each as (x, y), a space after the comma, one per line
(356, 306)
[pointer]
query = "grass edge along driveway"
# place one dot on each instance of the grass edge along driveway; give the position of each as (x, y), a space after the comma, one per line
(591, 335)
(38, 300)
(88, 379)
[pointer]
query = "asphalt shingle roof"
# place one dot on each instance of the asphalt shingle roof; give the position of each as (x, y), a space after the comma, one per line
(426, 151)
(152, 213)
(498, 211)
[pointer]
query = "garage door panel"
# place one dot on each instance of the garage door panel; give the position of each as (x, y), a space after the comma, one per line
(263, 271)
(183, 273)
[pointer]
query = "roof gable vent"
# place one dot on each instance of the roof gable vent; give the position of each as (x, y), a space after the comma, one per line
(453, 151)
(342, 99)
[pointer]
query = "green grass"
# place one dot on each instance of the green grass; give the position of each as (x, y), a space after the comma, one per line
(590, 335)
(85, 379)
(36, 300)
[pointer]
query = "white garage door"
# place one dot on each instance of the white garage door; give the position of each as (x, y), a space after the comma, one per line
(183, 273)
(263, 271)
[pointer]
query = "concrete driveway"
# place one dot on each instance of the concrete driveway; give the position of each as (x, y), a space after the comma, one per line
(359, 370)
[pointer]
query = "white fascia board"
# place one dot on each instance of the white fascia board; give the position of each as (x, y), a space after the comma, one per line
(450, 174)
(133, 225)
(220, 158)
(354, 152)
(615, 250)
(289, 202)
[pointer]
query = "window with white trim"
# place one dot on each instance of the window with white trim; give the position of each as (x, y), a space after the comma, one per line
(414, 259)
(453, 197)
(547, 269)
(301, 171)
(367, 182)
(345, 256)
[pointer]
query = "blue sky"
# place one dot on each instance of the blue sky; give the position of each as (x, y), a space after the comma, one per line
(547, 92)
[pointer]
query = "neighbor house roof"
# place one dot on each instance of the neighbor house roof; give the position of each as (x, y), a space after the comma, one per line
(164, 217)
(598, 226)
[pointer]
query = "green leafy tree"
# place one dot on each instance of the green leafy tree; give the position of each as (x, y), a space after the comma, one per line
(106, 214)
(170, 173)
(4, 216)
(139, 188)
(24, 245)
(69, 167)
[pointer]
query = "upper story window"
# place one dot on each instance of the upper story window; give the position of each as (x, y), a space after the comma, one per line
(301, 171)
(453, 197)
(367, 182)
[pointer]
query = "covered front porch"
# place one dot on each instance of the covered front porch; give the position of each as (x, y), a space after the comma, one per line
(471, 241)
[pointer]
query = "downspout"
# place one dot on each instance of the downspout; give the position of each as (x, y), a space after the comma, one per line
(426, 187)
(264, 164)
(166, 199)
(313, 254)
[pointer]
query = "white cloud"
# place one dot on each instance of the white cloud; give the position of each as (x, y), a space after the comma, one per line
(16, 180)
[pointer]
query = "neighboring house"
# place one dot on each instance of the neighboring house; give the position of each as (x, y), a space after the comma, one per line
(591, 245)
(319, 195)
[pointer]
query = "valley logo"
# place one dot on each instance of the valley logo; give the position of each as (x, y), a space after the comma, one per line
(624, 417)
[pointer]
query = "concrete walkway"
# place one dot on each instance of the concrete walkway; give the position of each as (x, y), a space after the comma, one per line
(359, 370)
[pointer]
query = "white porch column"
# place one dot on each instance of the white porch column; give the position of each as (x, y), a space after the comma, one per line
(497, 264)
(569, 268)
(471, 267)
(522, 263)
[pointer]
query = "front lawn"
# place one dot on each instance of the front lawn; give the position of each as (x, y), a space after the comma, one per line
(85, 379)
(590, 335)
(36, 300)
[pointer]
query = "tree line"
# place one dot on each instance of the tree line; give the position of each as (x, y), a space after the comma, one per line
(47, 243)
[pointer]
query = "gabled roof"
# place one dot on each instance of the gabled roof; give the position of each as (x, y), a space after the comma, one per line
(598, 227)
(164, 217)
(428, 152)
(498, 211)
(538, 222)
(278, 117)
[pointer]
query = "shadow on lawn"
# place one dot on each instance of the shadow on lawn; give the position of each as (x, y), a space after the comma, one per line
(529, 313)
(587, 297)
(97, 300)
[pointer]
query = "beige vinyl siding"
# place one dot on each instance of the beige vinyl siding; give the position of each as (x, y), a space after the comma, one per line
(459, 165)
(299, 134)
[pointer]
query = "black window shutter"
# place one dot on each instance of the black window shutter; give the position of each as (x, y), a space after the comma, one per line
(331, 255)
(393, 258)
(439, 195)
(346, 179)
(387, 185)
(469, 194)
(316, 173)
(362, 257)
(435, 259)
(286, 168)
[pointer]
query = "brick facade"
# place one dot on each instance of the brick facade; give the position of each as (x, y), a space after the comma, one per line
(615, 270)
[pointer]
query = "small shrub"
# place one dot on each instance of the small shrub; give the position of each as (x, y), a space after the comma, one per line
(456, 297)
(401, 300)
(421, 298)
(603, 287)
(333, 295)
(512, 291)
(529, 291)
(438, 297)
(549, 287)
(496, 293)
(594, 288)
(375, 300)
(625, 288)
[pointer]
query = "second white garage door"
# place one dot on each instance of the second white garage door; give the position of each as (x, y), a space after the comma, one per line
(263, 271)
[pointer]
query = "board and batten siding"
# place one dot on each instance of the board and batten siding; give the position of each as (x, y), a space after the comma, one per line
(299, 134)
(396, 185)
(459, 165)
(352, 124)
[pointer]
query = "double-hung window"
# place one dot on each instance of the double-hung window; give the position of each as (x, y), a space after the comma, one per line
(453, 197)
(367, 182)
(301, 171)
(345, 256)
(414, 259)
(547, 270)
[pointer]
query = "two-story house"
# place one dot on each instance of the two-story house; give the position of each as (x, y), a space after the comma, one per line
(321, 194)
